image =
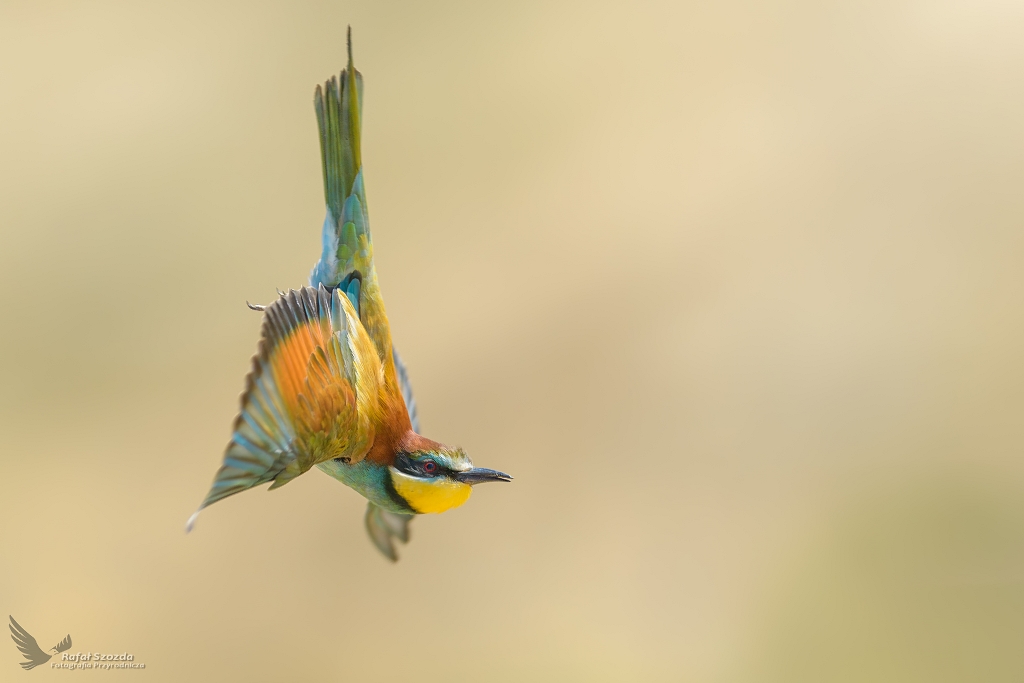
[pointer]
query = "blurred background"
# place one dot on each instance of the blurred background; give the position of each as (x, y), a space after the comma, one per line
(733, 289)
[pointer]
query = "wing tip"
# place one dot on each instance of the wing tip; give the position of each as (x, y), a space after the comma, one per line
(385, 528)
(191, 523)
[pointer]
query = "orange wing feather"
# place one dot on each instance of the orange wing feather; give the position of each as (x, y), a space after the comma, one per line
(314, 394)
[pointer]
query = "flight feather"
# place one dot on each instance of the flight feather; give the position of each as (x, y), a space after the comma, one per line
(313, 394)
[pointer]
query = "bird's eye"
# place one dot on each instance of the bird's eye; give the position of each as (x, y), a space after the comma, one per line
(430, 467)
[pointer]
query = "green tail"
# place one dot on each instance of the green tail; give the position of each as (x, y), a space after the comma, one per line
(347, 260)
(338, 114)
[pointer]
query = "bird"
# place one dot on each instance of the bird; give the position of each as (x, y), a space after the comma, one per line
(30, 648)
(327, 387)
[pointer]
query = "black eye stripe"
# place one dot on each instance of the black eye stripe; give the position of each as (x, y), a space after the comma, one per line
(406, 462)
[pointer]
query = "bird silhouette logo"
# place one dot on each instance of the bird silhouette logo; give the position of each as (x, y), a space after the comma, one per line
(30, 648)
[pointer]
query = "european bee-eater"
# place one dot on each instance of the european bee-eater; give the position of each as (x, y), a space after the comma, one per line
(326, 387)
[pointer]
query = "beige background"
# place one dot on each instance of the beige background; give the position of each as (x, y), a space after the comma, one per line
(733, 289)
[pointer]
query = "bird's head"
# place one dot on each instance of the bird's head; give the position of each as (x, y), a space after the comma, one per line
(438, 478)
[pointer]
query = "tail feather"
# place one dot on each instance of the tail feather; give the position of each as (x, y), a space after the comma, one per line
(339, 114)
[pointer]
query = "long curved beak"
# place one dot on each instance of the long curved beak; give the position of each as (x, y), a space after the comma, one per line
(479, 475)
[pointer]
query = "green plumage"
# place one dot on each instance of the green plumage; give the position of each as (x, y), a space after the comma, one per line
(338, 107)
(338, 113)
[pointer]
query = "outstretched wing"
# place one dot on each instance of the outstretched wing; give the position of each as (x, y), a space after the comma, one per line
(28, 646)
(64, 644)
(312, 394)
(385, 527)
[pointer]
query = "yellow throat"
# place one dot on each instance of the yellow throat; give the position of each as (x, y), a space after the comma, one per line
(430, 495)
